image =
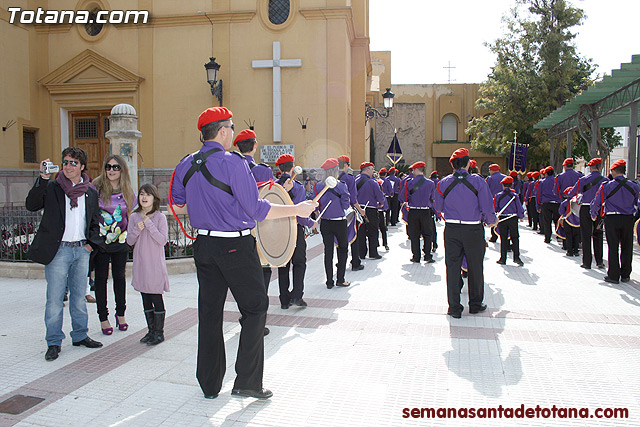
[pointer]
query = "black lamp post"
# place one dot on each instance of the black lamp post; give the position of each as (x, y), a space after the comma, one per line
(212, 68)
(387, 99)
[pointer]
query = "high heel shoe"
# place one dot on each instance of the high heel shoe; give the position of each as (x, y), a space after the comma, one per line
(106, 331)
(121, 326)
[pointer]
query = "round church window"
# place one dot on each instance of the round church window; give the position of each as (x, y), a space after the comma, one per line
(93, 27)
(279, 11)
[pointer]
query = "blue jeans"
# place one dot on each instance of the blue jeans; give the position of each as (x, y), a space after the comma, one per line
(68, 268)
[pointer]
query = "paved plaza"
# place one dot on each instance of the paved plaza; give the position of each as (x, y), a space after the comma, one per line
(554, 334)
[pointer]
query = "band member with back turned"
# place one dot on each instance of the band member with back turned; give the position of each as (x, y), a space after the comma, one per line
(509, 207)
(350, 181)
(418, 193)
(216, 189)
(369, 195)
(465, 201)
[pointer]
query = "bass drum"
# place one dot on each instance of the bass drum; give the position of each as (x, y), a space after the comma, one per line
(276, 238)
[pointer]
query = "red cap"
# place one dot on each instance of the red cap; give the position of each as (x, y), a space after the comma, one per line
(417, 165)
(434, 173)
(213, 114)
(513, 173)
(344, 158)
(329, 163)
(617, 164)
(548, 169)
(567, 161)
(383, 170)
(473, 163)
(393, 170)
(507, 180)
(494, 167)
(365, 165)
(535, 174)
(245, 135)
(566, 190)
(528, 174)
(459, 153)
(543, 171)
(284, 159)
(594, 161)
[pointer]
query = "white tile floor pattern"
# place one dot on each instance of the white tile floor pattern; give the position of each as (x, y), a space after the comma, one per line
(554, 334)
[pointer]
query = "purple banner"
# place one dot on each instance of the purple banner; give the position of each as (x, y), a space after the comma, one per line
(518, 157)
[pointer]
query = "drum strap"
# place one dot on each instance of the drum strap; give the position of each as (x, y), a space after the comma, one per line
(592, 183)
(199, 160)
(418, 185)
(361, 181)
(621, 184)
(460, 178)
(502, 197)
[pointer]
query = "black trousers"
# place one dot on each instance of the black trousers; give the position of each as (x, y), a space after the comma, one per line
(591, 231)
(338, 229)
(299, 261)
(573, 238)
(224, 264)
(152, 302)
(509, 228)
(118, 267)
(434, 233)
(382, 225)
(549, 213)
(461, 240)
(395, 209)
(533, 213)
(369, 231)
(419, 225)
(619, 230)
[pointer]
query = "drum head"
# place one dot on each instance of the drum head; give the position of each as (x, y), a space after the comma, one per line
(276, 238)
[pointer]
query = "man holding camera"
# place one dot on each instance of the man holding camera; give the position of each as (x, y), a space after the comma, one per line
(69, 222)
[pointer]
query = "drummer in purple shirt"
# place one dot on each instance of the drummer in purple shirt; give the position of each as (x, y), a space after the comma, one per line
(548, 202)
(493, 180)
(216, 189)
(419, 194)
(395, 203)
(350, 181)
(508, 204)
(465, 201)
(617, 201)
(333, 223)
(369, 195)
(569, 175)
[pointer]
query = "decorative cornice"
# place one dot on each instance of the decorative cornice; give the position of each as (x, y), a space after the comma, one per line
(71, 88)
(207, 18)
(50, 29)
(345, 13)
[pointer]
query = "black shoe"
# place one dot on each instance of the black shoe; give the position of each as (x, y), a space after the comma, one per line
(287, 305)
(480, 309)
(540, 232)
(415, 260)
(586, 267)
(625, 279)
(519, 262)
(547, 241)
(455, 314)
(266, 332)
(492, 240)
(158, 328)
(378, 256)
(299, 302)
(386, 247)
(343, 284)
(263, 393)
(569, 253)
(610, 280)
(52, 353)
(600, 265)
(501, 262)
(88, 342)
(429, 260)
(358, 268)
(210, 396)
(329, 286)
(576, 253)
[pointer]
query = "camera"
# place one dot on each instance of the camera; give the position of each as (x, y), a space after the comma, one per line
(49, 168)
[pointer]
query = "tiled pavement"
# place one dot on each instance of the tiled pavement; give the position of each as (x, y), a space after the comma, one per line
(554, 334)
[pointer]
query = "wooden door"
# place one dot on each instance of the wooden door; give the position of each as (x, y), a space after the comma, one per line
(86, 130)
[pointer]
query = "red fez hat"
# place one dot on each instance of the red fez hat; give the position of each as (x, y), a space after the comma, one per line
(528, 174)
(459, 153)
(393, 170)
(566, 190)
(548, 169)
(245, 135)
(434, 173)
(344, 158)
(417, 165)
(383, 170)
(365, 165)
(513, 173)
(284, 159)
(617, 164)
(535, 174)
(594, 161)
(494, 167)
(543, 171)
(329, 163)
(507, 180)
(213, 114)
(567, 161)
(472, 163)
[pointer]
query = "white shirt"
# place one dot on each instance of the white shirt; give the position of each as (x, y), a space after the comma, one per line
(75, 220)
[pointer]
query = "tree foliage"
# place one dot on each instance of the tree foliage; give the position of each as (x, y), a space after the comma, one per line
(537, 70)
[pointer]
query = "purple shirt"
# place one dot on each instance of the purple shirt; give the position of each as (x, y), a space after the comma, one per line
(621, 202)
(565, 212)
(548, 191)
(211, 208)
(461, 203)
(387, 188)
(587, 196)
(396, 183)
(350, 182)
(494, 182)
(339, 198)
(568, 178)
(424, 195)
(260, 171)
(369, 193)
(299, 195)
(501, 199)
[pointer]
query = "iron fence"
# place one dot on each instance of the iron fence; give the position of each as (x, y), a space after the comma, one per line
(18, 227)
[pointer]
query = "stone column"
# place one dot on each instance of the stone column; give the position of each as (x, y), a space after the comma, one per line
(124, 135)
(632, 140)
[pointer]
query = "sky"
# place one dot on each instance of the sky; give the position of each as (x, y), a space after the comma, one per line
(425, 35)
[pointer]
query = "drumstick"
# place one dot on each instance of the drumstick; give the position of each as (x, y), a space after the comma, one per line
(325, 208)
(507, 217)
(296, 171)
(330, 182)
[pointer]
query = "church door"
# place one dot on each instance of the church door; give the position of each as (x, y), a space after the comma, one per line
(86, 130)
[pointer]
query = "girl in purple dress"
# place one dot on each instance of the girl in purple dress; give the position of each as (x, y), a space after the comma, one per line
(147, 233)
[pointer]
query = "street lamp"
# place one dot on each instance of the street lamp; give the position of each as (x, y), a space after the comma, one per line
(212, 68)
(387, 99)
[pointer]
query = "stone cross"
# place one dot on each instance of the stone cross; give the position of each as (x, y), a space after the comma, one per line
(515, 136)
(276, 63)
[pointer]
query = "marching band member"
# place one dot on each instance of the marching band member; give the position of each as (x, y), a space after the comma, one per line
(418, 193)
(493, 180)
(507, 204)
(387, 190)
(216, 189)
(571, 225)
(369, 195)
(617, 200)
(350, 181)
(395, 203)
(569, 176)
(548, 202)
(464, 208)
(383, 211)
(473, 167)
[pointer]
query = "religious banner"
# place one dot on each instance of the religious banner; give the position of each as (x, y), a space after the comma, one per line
(518, 157)
(394, 153)
(270, 153)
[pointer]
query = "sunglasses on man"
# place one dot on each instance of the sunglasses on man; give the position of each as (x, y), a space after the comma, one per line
(109, 167)
(73, 163)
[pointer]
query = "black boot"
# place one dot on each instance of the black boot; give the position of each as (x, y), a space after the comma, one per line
(158, 328)
(148, 314)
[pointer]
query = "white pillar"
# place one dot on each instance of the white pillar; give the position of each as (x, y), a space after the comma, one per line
(123, 136)
(632, 141)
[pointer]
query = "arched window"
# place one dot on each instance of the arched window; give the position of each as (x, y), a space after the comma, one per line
(279, 11)
(450, 128)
